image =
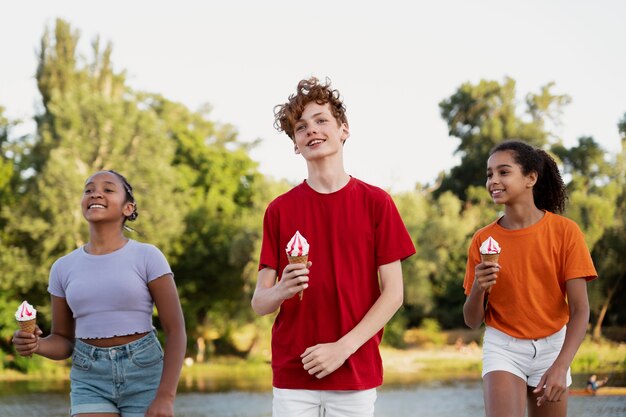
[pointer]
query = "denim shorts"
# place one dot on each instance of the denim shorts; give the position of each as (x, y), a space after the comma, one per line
(120, 379)
(528, 359)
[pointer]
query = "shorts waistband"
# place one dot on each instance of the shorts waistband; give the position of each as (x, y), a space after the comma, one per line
(557, 335)
(116, 351)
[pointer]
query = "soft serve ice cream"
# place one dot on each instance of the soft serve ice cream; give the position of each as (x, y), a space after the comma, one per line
(298, 252)
(490, 252)
(490, 247)
(26, 316)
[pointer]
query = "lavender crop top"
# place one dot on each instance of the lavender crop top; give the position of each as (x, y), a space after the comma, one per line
(108, 294)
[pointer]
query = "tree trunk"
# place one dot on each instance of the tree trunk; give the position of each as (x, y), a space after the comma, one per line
(597, 329)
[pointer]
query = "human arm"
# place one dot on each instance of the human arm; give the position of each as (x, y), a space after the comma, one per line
(485, 275)
(323, 359)
(59, 344)
(165, 296)
(269, 294)
(554, 380)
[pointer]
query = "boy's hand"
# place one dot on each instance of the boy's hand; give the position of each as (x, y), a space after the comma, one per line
(26, 343)
(295, 278)
(325, 358)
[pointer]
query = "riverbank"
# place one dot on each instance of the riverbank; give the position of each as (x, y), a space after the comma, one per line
(413, 364)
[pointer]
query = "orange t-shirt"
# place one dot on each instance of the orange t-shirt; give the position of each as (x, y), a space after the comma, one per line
(529, 298)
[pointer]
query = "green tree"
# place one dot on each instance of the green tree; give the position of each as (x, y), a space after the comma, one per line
(608, 252)
(485, 114)
(220, 187)
(441, 229)
(90, 121)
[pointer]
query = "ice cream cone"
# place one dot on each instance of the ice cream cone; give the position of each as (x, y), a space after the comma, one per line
(299, 260)
(28, 325)
(489, 257)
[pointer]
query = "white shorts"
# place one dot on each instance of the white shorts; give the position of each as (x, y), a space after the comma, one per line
(310, 403)
(529, 359)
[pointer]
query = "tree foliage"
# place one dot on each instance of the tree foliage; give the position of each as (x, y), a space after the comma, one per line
(485, 114)
(201, 198)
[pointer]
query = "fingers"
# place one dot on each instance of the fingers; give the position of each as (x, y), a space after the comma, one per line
(25, 343)
(486, 274)
(295, 279)
(551, 392)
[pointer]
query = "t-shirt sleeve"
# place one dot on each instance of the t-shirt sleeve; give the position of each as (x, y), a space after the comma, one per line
(156, 263)
(55, 286)
(269, 245)
(577, 262)
(393, 241)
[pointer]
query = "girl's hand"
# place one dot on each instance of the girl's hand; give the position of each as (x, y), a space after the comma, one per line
(553, 384)
(26, 343)
(160, 407)
(485, 275)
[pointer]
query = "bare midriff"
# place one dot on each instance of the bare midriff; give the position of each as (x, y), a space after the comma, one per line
(114, 341)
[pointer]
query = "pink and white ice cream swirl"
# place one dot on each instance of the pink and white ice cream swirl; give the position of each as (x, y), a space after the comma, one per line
(297, 246)
(26, 317)
(25, 312)
(489, 246)
(298, 252)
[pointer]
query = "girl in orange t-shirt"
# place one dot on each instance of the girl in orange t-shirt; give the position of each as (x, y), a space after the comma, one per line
(537, 315)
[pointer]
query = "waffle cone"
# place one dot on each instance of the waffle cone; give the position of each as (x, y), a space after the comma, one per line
(489, 257)
(28, 326)
(298, 260)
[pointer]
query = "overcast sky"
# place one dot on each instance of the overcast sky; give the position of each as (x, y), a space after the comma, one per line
(393, 62)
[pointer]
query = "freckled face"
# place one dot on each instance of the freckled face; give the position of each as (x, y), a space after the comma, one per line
(317, 133)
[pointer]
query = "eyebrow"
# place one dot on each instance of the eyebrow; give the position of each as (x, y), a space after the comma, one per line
(312, 117)
(107, 182)
(501, 166)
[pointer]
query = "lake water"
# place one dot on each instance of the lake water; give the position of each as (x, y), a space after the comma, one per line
(434, 399)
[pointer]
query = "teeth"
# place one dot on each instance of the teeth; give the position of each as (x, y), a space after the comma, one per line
(314, 142)
(96, 206)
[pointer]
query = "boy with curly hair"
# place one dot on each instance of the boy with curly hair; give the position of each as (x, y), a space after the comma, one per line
(325, 356)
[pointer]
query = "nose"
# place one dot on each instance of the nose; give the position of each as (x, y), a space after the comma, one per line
(310, 129)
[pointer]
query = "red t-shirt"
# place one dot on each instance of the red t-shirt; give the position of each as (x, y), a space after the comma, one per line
(351, 233)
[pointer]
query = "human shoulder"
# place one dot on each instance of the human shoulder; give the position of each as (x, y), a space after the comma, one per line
(562, 221)
(68, 258)
(486, 230)
(295, 194)
(135, 245)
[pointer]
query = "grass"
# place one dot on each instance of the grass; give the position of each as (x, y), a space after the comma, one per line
(422, 360)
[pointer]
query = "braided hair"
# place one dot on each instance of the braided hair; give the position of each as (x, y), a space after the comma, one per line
(130, 198)
(549, 192)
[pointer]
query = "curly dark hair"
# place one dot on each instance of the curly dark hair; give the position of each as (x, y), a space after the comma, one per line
(286, 115)
(549, 192)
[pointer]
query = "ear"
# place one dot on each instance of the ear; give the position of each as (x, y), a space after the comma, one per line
(295, 148)
(531, 179)
(129, 208)
(345, 132)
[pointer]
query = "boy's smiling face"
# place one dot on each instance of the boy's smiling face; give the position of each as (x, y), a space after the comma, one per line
(317, 133)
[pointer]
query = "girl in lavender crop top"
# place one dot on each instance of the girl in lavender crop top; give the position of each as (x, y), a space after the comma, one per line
(102, 298)
(108, 294)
